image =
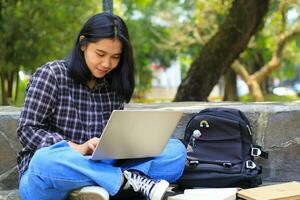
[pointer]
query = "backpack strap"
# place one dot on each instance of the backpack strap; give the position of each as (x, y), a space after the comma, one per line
(256, 150)
(250, 164)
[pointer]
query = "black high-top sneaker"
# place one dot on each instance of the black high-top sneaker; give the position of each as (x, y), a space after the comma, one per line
(152, 189)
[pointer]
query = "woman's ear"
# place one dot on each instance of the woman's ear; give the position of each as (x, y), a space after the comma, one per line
(83, 46)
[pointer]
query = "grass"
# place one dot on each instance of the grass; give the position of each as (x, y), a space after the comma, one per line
(271, 98)
(151, 100)
(247, 98)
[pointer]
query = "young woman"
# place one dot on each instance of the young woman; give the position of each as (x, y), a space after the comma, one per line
(67, 105)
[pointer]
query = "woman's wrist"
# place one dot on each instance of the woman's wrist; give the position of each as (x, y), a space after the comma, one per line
(71, 144)
(75, 146)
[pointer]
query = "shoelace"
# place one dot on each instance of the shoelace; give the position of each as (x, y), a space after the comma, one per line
(141, 183)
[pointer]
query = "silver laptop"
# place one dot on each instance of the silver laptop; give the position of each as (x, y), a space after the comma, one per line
(136, 134)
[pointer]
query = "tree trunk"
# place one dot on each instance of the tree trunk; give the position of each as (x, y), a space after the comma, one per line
(3, 89)
(9, 86)
(10, 83)
(222, 49)
(17, 86)
(256, 91)
(230, 86)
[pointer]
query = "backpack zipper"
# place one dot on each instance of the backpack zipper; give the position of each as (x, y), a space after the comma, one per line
(221, 163)
(249, 129)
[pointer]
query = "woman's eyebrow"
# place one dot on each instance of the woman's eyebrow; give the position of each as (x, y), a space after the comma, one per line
(102, 51)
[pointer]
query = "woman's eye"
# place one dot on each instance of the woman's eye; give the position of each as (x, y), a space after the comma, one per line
(99, 54)
(116, 57)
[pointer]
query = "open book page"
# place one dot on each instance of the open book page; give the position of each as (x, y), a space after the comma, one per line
(207, 194)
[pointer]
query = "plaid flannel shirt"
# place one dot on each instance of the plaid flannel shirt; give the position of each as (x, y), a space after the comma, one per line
(56, 108)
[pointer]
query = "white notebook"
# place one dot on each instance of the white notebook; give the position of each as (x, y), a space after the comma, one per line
(207, 194)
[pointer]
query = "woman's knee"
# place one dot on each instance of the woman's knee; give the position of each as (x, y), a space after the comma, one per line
(177, 146)
(44, 158)
(41, 159)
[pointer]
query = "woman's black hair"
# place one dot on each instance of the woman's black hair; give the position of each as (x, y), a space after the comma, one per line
(100, 26)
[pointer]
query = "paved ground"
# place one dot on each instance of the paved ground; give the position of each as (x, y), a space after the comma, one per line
(14, 195)
(9, 195)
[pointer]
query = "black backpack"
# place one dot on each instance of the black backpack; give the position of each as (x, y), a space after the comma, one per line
(220, 152)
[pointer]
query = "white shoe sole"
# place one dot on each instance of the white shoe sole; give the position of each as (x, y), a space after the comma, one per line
(160, 190)
(91, 193)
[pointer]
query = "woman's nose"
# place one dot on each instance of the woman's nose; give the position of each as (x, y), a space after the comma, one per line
(106, 63)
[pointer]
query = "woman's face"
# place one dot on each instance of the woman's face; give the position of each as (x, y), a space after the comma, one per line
(102, 56)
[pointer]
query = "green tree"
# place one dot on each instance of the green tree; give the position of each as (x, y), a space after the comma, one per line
(222, 49)
(33, 32)
(162, 31)
(268, 52)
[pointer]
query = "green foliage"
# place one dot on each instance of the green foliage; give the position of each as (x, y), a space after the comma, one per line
(290, 62)
(146, 34)
(261, 47)
(162, 31)
(34, 32)
(37, 31)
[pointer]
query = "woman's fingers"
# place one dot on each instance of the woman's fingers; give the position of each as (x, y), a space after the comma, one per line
(91, 146)
(86, 148)
(92, 143)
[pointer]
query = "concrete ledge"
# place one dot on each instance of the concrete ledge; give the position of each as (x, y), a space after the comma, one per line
(276, 127)
(9, 147)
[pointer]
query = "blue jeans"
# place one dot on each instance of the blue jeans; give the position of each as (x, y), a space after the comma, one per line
(57, 170)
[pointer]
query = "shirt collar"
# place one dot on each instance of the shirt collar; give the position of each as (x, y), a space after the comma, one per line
(101, 82)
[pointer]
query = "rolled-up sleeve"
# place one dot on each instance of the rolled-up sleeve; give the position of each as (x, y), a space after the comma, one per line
(41, 94)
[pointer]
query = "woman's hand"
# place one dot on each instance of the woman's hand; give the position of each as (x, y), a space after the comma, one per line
(86, 148)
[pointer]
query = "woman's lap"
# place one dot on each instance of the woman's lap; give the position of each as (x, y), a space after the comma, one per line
(57, 170)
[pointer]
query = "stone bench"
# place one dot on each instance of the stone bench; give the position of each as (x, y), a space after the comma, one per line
(276, 127)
